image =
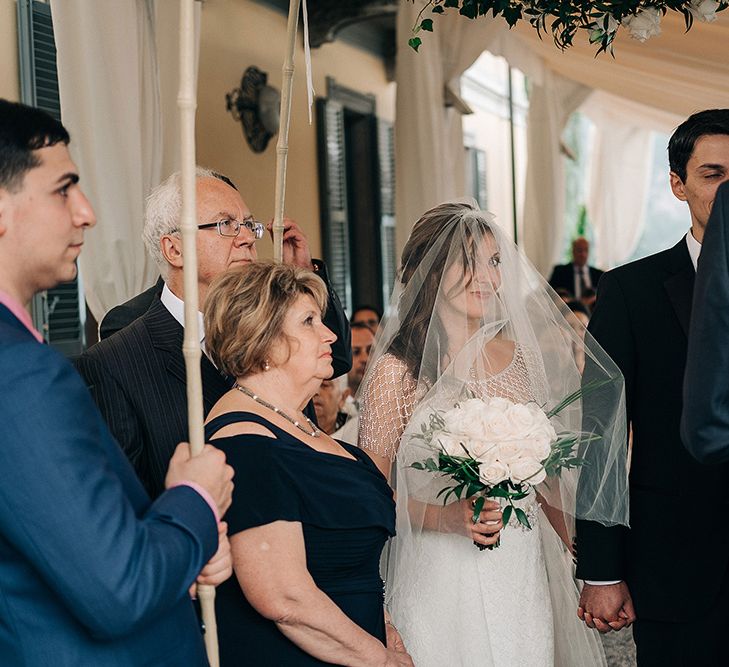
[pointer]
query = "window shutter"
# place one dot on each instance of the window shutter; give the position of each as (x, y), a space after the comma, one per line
(386, 151)
(333, 196)
(57, 313)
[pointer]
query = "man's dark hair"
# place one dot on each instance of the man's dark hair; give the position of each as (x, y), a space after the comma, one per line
(365, 306)
(361, 325)
(684, 138)
(23, 130)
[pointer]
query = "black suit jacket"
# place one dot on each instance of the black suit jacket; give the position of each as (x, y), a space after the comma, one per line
(676, 551)
(137, 378)
(705, 425)
(120, 316)
(563, 276)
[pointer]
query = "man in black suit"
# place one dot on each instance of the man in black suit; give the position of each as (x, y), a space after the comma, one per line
(670, 568)
(705, 422)
(137, 376)
(125, 313)
(577, 276)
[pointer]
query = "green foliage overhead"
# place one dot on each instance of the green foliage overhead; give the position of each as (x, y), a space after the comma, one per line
(600, 19)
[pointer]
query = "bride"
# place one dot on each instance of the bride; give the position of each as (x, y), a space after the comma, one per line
(470, 316)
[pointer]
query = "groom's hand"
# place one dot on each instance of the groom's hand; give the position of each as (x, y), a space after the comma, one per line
(606, 608)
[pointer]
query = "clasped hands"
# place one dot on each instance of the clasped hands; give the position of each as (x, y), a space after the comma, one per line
(607, 607)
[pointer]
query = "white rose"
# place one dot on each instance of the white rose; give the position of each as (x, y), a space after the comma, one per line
(494, 472)
(451, 444)
(453, 419)
(511, 450)
(499, 404)
(704, 10)
(539, 448)
(522, 419)
(483, 450)
(644, 24)
(527, 470)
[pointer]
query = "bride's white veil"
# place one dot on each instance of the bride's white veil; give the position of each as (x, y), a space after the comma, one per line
(470, 313)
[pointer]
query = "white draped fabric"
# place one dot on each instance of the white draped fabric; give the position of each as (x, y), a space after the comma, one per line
(429, 154)
(550, 105)
(118, 72)
(620, 172)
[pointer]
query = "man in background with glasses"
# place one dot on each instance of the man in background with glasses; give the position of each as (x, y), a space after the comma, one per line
(137, 376)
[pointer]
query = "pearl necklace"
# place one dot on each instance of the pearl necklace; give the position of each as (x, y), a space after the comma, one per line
(314, 433)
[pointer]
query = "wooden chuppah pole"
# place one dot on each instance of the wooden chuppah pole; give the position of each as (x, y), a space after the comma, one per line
(282, 145)
(186, 103)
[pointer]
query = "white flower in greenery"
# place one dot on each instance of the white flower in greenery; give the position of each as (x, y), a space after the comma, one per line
(538, 447)
(483, 450)
(511, 450)
(454, 419)
(494, 473)
(523, 419)
(704, 10)
(646, 23)
(497, 426)
(451, 444)
(527, 470)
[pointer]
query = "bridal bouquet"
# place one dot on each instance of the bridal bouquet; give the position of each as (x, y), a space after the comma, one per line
(494, 448)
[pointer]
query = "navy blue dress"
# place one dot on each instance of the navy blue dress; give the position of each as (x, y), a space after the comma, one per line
(347, 513)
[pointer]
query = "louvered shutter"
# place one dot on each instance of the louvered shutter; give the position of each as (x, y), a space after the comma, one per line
(333, 196)
(57, 313)
(386, 154)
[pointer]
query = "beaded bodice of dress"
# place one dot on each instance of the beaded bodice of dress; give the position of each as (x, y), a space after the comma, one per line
(392, 395)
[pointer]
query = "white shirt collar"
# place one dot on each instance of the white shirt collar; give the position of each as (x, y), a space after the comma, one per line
(176, 306)
(694, 248)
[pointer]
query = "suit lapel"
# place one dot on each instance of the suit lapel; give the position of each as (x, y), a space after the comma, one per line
(167, 336)
(680, 283)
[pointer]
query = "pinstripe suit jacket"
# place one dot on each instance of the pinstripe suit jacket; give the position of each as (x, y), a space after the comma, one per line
(137, 378)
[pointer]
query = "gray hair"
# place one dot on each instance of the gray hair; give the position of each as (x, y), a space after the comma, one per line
(162, 213)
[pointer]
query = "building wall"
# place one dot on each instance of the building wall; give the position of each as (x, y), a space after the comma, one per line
(9, 81)
(236, 34)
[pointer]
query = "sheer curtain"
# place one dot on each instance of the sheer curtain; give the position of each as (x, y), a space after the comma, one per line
(620, 172)
(117, 70)
(550, 104)
(429, 153)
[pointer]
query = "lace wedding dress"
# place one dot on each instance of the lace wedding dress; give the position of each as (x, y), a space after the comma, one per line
(452, 603)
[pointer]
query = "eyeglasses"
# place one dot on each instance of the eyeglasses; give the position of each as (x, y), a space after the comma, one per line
(231, 228)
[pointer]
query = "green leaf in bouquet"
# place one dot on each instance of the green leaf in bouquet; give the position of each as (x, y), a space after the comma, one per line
(414, 43)
(431, 465)
(506, 514)
(522, 517)
(427, 24)
(585, 389)
(474, 488)
(498, 491)
(477, 507)
(417, 465)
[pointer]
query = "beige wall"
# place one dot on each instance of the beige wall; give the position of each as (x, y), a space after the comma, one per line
(9, 83)
(236, 34)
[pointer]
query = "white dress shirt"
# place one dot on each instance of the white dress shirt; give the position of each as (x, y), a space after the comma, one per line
(176, 307)
(694, 248)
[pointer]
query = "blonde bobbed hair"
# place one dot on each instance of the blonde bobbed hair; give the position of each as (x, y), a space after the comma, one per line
(245, 309)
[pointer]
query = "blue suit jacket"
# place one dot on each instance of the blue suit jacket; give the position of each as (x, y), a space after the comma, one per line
(91, 571)
(705, 423)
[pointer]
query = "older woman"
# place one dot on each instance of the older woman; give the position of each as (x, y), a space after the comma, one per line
(310, 515)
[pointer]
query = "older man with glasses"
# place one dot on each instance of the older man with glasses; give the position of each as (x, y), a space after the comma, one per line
(137, 376)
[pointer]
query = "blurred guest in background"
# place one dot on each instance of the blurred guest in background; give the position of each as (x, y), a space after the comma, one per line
(577, 276)
(368, 315)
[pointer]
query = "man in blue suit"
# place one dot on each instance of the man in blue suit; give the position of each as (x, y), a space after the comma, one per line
(705, 423)
(91, 571)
